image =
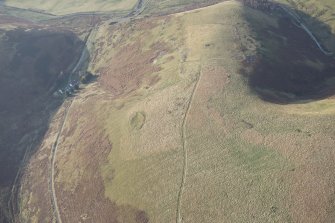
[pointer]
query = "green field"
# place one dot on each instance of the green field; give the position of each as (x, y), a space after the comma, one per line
(63, 7)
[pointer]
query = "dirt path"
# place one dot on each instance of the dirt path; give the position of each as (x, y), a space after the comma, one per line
(179, 218)
(11, 204)
(53, 160)
(84, 55)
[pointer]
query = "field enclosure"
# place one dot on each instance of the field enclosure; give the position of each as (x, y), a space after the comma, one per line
(62, 7)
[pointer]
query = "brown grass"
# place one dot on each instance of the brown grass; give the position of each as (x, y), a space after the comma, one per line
(247, 160)
(129, 67)
(35, 194)
(80, 186)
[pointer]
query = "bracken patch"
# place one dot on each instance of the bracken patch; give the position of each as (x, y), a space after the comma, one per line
(130, 67)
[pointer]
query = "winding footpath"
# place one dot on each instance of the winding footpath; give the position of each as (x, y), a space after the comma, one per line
(82, 59)
(179, 218)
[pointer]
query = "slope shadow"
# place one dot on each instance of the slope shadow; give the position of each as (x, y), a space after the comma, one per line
(289, 66)
(31, 64)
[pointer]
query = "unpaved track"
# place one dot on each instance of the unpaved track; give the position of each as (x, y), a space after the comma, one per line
(78, 65)
(179, 218)
(53, 160)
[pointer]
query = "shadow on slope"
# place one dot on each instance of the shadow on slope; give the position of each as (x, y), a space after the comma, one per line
(288, 66)
(33, 64)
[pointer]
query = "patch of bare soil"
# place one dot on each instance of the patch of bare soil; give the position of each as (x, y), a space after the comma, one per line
(130, 67)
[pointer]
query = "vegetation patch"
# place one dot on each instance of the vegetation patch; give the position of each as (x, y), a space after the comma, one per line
(63, 7)
(137, 120)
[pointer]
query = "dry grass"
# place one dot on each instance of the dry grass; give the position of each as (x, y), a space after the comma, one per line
(64, 7)
(35, 199)
(247, 160)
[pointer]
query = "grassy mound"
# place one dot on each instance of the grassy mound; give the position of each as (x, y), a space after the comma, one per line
(138, 120)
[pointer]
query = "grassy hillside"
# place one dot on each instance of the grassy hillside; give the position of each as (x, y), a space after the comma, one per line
(66, 7)
(177, 129)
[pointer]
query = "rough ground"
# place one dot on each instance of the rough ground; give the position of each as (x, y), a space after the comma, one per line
(216, 114)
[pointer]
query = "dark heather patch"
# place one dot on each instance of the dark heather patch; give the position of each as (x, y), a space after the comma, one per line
(290, 67)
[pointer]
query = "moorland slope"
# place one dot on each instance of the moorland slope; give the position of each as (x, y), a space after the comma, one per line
(190, 121)
(198, 112)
